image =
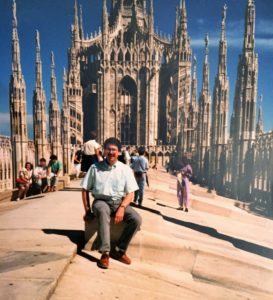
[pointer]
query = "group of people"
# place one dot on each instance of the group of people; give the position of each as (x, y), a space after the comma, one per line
(43, 177)
(92, 153)
(115, 180)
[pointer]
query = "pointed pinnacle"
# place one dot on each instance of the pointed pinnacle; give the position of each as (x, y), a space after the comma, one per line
(76, 13)
(151, 6)
(37, 39)
(194, 59)
(81, 14)
(206, 40)
(14, 18)
(224, 13)
(250, 2)
(182, 4)
(52, 60)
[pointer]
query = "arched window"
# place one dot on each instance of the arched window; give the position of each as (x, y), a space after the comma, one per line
(113, 56)
(127, 56)
(120, 56)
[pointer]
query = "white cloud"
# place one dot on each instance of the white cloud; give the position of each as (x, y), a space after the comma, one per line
(234, 42)
(4, 118)
(264, 43)
(200, 21)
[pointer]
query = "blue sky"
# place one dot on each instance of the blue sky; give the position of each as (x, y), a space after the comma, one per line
(53, 19)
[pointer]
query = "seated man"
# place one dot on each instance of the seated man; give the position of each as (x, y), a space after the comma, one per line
(40, 175)
(112, 185)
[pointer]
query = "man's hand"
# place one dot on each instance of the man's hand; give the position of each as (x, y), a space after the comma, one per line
(119, 215)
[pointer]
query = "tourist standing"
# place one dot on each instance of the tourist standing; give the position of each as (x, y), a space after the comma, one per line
(183, 185)
(90, 153)
(127, 155)
(77, 162)
(140, 166)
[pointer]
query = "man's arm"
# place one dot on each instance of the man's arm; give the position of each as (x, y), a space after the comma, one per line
(124, 203)
(48, 170)
(147, 165)
(60, 167)
(86, 200)
(87, 185)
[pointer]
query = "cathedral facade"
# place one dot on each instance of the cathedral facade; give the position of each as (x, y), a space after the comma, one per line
(128, 81)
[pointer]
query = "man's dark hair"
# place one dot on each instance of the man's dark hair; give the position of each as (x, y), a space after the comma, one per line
(93, 135)
(141, 150)
(53, 157)
(43, 159)
(112, 141)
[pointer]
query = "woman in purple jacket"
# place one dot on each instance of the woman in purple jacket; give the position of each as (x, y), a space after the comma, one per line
(183, 186)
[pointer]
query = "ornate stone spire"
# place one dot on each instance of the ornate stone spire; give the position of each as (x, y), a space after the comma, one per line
(16, 63)
(38, 82)
(39, 108)
(81, 25)
(205, 85)
(193, 111)
(244, 106)
(176, 24)
(17, 95)
(249, 38)
(222, 61)
(53, 79)
(183, 19)
(219, 135)
(259, 127)
(151, 22)
(204, 119)
(194, 84)
(75, 27)
(65, 128)
(54, 115)
(223, 25)
(105, 24)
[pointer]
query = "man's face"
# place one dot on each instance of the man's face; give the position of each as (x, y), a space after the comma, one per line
(42, 163)
(112, 153)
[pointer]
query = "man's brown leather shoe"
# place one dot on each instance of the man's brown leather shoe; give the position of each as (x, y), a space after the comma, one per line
(104, 261)
(120, 256)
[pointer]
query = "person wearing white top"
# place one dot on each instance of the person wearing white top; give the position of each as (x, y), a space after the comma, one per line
(90, 153)
(40, 175)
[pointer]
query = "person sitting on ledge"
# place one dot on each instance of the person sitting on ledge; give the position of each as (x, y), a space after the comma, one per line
(112, 185)
(40, 176)
(24, 180)
(53, 172)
